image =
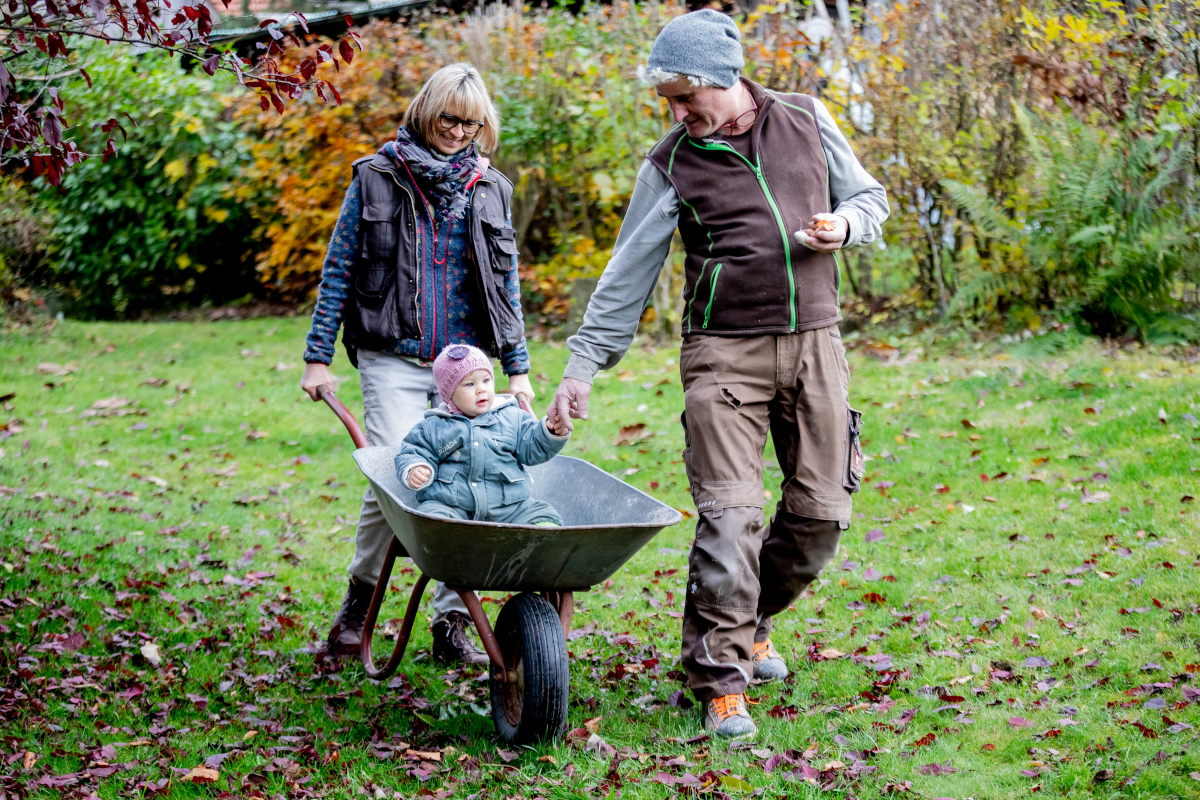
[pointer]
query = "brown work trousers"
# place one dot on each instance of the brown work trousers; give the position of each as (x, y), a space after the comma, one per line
(741, 572)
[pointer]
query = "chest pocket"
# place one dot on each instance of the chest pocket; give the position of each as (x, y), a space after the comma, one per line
(514, 484)
(501, 245)
(380, 240)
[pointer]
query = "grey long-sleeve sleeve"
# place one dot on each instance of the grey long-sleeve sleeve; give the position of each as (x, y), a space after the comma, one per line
(617, 304)
(853, 193)
(645, 239)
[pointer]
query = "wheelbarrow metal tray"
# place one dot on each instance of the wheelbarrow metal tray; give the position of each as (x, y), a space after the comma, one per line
(605, 521)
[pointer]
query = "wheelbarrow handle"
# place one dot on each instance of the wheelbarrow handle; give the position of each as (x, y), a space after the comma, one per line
(356, 433)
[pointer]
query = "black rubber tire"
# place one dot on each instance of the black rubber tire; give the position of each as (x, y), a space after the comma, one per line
(531, 640)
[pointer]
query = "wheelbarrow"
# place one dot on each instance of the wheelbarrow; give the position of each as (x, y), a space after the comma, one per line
(605, 521)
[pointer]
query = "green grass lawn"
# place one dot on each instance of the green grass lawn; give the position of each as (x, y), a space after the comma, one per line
(1015, 608)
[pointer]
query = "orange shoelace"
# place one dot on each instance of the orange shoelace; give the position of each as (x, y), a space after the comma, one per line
(729, 705)
(762, 651)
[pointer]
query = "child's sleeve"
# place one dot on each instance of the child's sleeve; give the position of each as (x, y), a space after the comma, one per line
(536, 444)
(416, 451)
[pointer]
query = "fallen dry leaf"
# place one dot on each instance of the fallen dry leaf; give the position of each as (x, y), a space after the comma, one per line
(152, 654)
(633, 434)
(201, 775)
(50, 368)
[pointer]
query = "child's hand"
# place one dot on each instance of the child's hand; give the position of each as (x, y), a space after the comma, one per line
(558, 426)
(419, 476)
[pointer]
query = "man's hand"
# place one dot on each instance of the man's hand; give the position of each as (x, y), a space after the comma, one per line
(315, 375)
(418, 476)
(570, 402)
(827, 233)
(519, 385)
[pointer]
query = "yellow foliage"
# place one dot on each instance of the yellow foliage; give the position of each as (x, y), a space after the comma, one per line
(175, 170)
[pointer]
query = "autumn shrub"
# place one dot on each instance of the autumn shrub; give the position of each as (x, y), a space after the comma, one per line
(926, 94)
(576, 123)
(301, 160)
(157, 225)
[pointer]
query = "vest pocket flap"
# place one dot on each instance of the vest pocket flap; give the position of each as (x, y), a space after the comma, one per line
(510, 474)
(380, 212)
(374, 283)
(446, 473)
(501, 237)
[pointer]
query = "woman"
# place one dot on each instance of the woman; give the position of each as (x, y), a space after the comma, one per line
(423, 256)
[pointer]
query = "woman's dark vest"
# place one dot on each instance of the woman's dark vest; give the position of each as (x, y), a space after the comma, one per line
(745, 272)
(382, 307)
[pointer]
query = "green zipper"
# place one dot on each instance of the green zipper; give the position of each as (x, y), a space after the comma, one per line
(766, 190)
(712, 292)
(695, 290)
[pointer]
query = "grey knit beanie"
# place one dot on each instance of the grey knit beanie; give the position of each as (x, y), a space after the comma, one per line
(704, 44)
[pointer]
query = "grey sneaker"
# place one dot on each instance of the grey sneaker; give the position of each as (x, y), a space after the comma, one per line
(728, 718)
(768, 664)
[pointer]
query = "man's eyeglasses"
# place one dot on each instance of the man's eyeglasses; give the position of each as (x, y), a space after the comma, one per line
(469, 126)
(743, 120)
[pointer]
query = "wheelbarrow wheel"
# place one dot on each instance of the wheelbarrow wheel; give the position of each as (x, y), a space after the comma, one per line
(532, 704)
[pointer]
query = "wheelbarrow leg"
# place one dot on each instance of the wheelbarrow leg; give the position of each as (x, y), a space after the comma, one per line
(564, 604)
(475, 609)
(410, 616)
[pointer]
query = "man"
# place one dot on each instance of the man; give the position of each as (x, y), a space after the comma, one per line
(763, 188)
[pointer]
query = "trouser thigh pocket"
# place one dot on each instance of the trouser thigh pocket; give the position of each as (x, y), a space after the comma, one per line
(852, 479)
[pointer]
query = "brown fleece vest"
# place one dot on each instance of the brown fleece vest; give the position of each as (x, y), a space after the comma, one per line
(745, 272)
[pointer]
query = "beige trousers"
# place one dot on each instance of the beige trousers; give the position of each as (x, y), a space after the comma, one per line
(742, 572)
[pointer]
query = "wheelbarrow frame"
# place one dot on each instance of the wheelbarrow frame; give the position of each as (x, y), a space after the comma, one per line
(561, 600)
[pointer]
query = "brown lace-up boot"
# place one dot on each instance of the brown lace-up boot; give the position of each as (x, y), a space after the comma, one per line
(452, 642)
(346, 634)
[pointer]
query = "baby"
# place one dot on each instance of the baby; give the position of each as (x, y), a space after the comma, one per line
(466, 459)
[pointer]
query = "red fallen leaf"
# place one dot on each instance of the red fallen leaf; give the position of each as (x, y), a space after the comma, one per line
(1187, 498)
(653, 484)
(1089, 410)
(966, 423)
(925, 740)
(942, 489)
(1050, 734)
(790, 713)
(989, 747)
(874, 597)
(983, 477)
(952, 698)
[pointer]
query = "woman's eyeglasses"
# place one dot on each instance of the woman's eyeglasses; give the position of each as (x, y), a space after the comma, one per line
(469, 126)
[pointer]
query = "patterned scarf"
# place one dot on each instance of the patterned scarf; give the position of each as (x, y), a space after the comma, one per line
(444, 181)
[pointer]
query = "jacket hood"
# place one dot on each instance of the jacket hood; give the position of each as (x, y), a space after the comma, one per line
(443, 409)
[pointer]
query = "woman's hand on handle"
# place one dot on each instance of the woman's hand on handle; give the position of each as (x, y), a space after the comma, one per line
(315, 375)
(520, 385)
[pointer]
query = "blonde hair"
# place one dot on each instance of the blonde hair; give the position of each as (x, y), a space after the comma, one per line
(460, 85)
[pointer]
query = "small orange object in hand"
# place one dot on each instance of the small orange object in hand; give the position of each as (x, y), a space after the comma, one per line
(826, 225)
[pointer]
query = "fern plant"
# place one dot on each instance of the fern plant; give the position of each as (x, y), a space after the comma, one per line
(1104, 236)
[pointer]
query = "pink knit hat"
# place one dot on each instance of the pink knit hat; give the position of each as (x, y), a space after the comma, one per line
(455, 363)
